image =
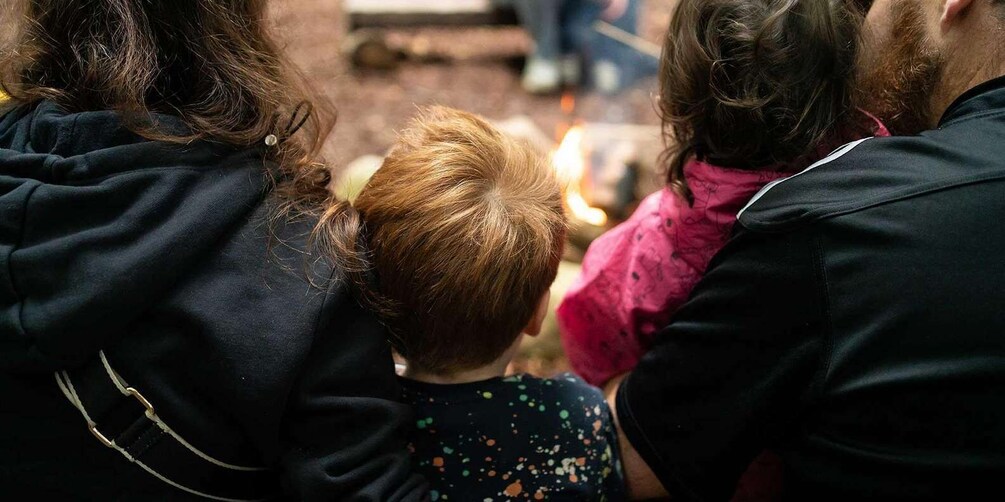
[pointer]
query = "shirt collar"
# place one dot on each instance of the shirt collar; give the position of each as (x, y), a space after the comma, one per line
(985, 97)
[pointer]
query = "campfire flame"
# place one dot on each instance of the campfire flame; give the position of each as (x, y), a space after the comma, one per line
(568, 103)
(569, 160)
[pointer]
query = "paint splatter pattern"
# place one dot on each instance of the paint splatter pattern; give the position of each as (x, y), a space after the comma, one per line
(515, 438)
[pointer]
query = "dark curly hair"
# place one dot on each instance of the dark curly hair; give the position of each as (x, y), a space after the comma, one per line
(752, 83)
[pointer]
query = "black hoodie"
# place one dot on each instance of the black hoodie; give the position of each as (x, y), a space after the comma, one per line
(160, 255)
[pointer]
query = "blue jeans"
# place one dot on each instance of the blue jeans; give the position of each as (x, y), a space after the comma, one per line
(565, 27)
(559, 27)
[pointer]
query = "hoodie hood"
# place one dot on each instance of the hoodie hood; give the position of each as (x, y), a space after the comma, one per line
(99, 223)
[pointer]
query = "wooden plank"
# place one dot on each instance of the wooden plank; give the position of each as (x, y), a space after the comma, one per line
(408, 14)
(417, 7)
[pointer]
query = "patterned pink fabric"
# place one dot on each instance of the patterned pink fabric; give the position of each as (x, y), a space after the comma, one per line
(638, 274)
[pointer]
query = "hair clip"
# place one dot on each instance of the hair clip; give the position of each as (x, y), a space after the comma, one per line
(293, 125)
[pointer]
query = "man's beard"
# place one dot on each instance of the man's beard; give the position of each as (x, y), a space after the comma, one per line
(897, 83)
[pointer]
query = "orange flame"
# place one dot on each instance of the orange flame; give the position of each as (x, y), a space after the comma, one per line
(570, 164)
(568, 103)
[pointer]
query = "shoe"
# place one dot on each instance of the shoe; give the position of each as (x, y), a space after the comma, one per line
(572, 70)
(607, 77)
(541, 76)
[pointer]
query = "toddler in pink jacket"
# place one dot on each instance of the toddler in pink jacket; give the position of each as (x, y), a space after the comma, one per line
(743, 107)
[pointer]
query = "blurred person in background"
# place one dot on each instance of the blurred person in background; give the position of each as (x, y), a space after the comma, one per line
(568, 50)
(177, 317)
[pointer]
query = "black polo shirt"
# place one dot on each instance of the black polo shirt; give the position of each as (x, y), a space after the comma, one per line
(855, 324)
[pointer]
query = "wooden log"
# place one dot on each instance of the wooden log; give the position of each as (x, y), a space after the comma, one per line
(368, 49)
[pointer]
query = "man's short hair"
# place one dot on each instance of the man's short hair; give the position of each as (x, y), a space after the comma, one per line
(466, 226)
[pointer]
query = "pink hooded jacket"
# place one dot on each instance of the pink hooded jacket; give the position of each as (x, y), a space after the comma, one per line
(637, 275)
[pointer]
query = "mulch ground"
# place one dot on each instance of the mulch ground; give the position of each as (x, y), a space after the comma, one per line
(474, 69)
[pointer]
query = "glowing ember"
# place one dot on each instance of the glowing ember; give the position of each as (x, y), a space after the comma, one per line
(570, 164)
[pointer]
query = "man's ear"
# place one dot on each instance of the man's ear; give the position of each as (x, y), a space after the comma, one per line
(534, 326)
(952, 10)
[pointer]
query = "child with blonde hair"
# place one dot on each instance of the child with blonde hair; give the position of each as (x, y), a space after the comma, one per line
(466, 228)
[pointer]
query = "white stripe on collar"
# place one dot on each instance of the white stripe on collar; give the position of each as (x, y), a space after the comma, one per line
(840, 152)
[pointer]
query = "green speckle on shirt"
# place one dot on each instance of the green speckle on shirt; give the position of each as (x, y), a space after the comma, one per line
(487, 395)
(448, 450)
(564, 414)
(523, 397)
(466, 473)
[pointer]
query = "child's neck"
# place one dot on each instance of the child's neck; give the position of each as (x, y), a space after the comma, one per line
(491, 370)
(494, 369)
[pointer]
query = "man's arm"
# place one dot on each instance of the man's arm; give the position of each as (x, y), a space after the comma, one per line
(729, 376)
(640, 480)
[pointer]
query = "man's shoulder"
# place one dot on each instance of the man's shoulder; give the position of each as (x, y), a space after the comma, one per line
(864, 174)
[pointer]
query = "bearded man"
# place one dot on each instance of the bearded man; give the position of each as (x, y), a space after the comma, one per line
(856, 322)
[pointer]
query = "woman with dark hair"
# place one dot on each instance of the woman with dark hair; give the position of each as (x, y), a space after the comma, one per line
(169, 324)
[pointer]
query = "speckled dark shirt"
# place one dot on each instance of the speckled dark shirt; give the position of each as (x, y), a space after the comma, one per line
(515, 438)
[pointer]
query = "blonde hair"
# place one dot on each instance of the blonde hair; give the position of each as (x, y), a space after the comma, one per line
(466, 227)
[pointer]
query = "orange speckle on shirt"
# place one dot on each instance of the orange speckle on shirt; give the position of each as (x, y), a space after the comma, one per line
(597, 425)
(438, 461)
(573, 478)
(492, 474)
(539, 495)
(587, 442)
(491, 442)
(581, 461)
(505, 476)
(514, 489)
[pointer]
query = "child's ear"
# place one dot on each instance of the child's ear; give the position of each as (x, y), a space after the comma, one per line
(534, 326)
